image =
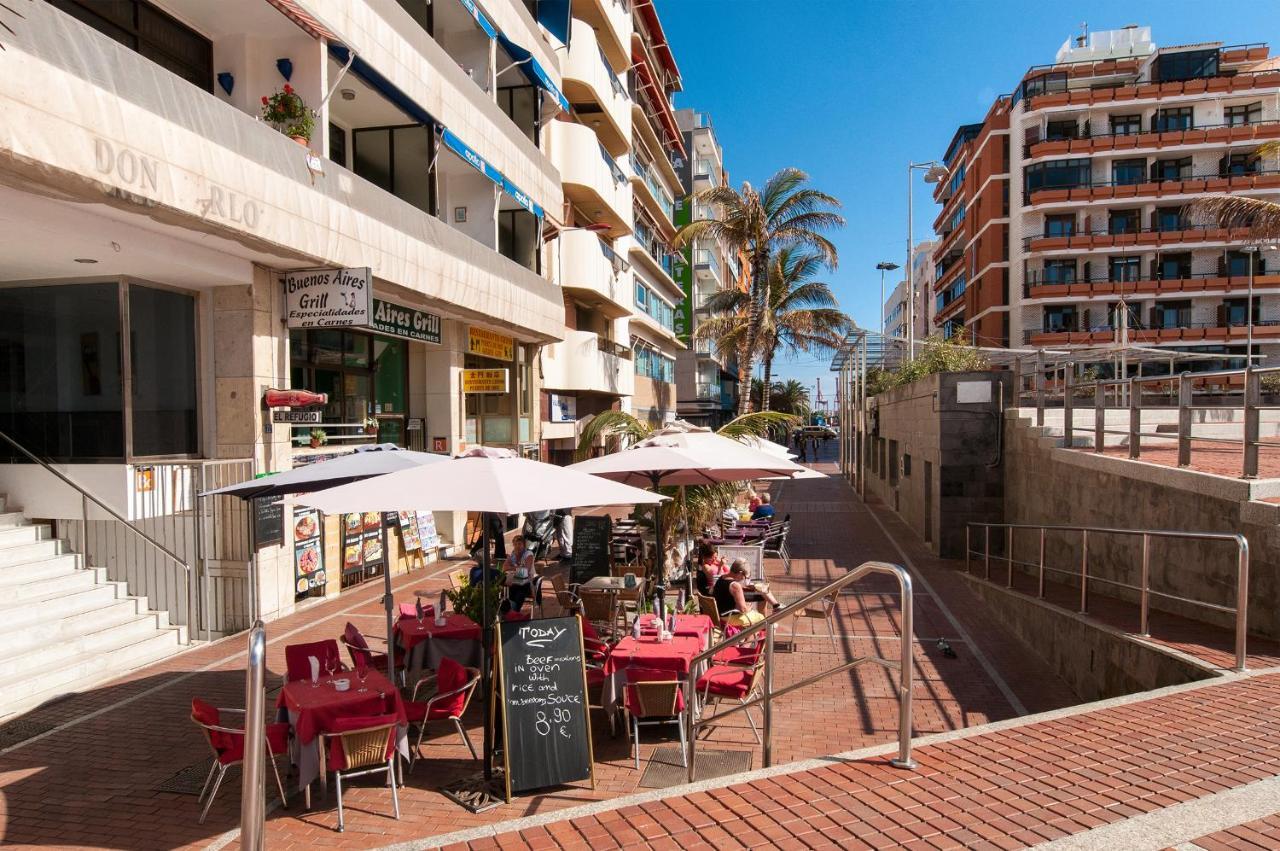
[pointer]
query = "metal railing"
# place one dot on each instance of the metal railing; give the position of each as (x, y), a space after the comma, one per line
(1176, 233)
(769, 693)
(1240, 610)
(1127, 394)
(1234, 279)
(158, 562)
(253, 773)
(1087, 136)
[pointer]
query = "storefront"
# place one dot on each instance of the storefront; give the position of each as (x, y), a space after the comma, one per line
(497, 388)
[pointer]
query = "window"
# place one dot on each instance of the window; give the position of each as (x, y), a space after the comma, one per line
(398, 159)
(520, 105)
(1060, 271)
(364, 376)
(1124, 221)
(518, 238)
(1126, 125)
(150, 32)
(1173, 118)
(1234, 311)
(957, 180)
(1233, 164)
(1060, 225)
(1058, 174)
(337, 144)
(1060, 317)
(1051, 82)
(1127, 172)
(1171, 314)
(642, 297)
(1187, 65)
(1245, 114)
(1124, 268)
(1067, 129)
(1168, 218)
(1178, 169)
(1236, 263)
(1173, 267)
(1116, 315)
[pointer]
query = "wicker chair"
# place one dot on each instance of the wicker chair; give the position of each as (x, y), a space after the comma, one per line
(775, 543)
(600, 608)
(707, 606)
(629, 601)
(653, 698)
(825, 610)
(357, 746)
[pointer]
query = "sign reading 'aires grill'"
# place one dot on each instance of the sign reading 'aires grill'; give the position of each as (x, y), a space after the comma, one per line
(398, 321)
(328, 298)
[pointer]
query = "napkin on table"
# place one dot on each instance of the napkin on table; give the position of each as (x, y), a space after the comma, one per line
(315, 668)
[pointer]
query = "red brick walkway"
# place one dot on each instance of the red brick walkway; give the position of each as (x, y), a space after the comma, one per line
(1222, 459)
(1260, 835)
(94, 782)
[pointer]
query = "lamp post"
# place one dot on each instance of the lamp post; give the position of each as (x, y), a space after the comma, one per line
(933, 173)
(1252, 252)
(883, 266)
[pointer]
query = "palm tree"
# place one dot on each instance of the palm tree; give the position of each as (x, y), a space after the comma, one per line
(784, 213)
(791, 397)
(1237, 211)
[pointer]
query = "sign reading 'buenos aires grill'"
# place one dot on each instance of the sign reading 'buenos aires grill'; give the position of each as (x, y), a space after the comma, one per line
(328, 298)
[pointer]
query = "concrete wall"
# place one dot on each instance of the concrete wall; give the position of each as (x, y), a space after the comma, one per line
(926, 433)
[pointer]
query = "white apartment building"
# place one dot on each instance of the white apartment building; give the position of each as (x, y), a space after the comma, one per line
(923, 276)
(149, 219)
(895, 312)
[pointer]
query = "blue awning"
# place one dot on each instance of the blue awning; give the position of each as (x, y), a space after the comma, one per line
(382, 85)
(462, 149)
(534, 71)
(474, 10)
(555, 16)
(520, 197)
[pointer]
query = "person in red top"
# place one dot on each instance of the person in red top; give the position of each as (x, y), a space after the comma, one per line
(710, 567)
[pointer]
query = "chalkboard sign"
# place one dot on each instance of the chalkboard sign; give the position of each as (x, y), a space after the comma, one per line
(590, 547)
(268, 522)
(546, 724)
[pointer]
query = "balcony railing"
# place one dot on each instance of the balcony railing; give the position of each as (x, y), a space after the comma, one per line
(1141, 236)
(616, 84)
(619, 176)
(659, 194)
(1064, 90)
(707, 392)
(609, 347)
(1180, 330)
(1203, 134)
(1037, 280)
(1149, 184)
(703, 258)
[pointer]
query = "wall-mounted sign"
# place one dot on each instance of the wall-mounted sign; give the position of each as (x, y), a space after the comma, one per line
(490, 344)
(144, 479)
(396, 320)
(564, 409)
(415, 424)
(484, 380)
(440, 444)
(296, 417)
(327, 298)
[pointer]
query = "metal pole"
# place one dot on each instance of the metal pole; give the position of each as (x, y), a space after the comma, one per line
(906, 672)
(1251, 423)
(1184, 420)
(986, 552)
(1135, 418)
(1084, 571)
(1144, 628)
(1040, 388)
(968, 545)
(253, 773)
(1008, 554)
(1040, 591)
(911, 284)
(1099, 416)
(690, 724)
(768, 696)
(882, 308)
(486, 631)
(1068, 406)
(1242, 601)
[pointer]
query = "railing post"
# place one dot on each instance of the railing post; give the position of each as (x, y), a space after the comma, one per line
(905, 673)
(1135, 418)
(1040, 590)
(1068, 405)
(1084, 571)
(1040, 389)
(253, 775)
(1242, 601)
(968, 546)
(768, 696)
(1184, 420)
(1251, 424)
(1099, 416)
(1008, 554)
(84, 530)
(986, 552)
(691, 727)
(1144, 628)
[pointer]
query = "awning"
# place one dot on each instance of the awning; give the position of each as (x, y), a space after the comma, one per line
(474, 10)
(534, 71)
(479, 163)
(556, 17)
(308, 22)
(382, 85)
(520, 197)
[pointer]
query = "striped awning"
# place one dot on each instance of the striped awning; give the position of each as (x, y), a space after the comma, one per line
(308, 22)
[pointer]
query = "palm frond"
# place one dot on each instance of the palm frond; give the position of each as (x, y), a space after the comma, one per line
(1262, 218)
(617, 429)
(758, 424)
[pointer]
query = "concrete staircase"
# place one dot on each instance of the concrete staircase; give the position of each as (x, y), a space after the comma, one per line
(65, 627)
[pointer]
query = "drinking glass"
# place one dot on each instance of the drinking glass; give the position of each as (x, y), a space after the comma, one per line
(362, 671)
(330, 665)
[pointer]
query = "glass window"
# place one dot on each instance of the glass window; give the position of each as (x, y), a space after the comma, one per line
(1233, 164)
(1187, 65)
(1126, 125)
(162, 343)
(1058, 174)
(1169, 218)
(518, 238)
(1066, 129)
(1173, 118)
(1244, 114)
(1115, 315)
(1060, 318)
(1174, 267)
(642, 296)
(1172, 314)
(1060, 271)
(1124, 221)
(1060, 225)
(397, 159)
(1237, 263)
(364, 376)
(1126, 172)
(1234, 311)
(1125, 268)
(337, 144)
(1178, 169)
(520, 105)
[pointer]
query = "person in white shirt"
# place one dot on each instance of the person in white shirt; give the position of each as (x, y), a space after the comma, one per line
(521, 573)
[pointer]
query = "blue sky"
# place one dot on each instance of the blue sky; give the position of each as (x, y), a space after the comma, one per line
(850, 91)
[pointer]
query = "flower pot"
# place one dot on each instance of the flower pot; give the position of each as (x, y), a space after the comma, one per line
(371, 429)
(315, 444)
(301, 140)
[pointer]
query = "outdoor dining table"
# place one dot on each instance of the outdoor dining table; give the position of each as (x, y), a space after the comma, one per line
(647, 652)
(694, 626)
(426, 643)
(312, 709)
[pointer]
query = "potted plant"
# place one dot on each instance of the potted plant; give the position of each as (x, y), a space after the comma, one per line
(468, 600)
(286, 111)
(318, 438)
(370, 425)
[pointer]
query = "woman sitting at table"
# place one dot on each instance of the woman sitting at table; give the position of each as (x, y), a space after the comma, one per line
(710, 567)
(730, 595)
(521, 574)
(763, 511)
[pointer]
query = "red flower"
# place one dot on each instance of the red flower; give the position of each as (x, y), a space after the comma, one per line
(265, 101)
(288, 89)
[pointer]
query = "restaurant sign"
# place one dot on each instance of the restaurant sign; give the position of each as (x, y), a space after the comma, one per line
(490, 344)
(328, 298)
(396, 320)
(484, 380)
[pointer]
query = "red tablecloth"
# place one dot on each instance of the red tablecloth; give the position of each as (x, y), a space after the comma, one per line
(455, 626)
(317, 707)
(696, 626)
(647, 652)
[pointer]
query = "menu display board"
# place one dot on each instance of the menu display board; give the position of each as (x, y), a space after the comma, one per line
(362, 543)
(546, 726)
(427, 531)
(308, 550)
(408, 522)
(753, 554)
(268, 522)
(591, 536)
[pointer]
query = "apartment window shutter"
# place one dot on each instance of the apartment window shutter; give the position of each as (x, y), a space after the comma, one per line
(1222, 315)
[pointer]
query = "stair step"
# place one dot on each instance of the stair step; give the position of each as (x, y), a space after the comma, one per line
(54, 629)
(99, 640)
(12, 518)
(30, 551)
(10, 535)
(81, 600)
(30, 571)
(87, 671)
(40, 589)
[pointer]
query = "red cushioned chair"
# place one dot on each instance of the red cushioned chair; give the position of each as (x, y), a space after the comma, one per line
(358, 746)
(357, 645)
(732, 682)
(651, 698)
(454, 687)
(227, 744)
(296, 664)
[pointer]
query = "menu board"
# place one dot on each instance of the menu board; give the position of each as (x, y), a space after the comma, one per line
(591, 536)
(308, 550)
(408, 522)
(753, 554)
(362, 542)
(268, 522)
(546, 725)
(427, 530)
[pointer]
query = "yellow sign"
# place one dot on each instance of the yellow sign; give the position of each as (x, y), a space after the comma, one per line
(144, 479)
(490, 344)
(484, 380)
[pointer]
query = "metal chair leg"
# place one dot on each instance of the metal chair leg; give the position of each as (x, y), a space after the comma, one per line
(684, 744)
(284, 799)
(635, 740)
(463, 733)
(395, 795)
(831, 631)
(341, 824)
(222, 772)
(752, 722)
(213, 766)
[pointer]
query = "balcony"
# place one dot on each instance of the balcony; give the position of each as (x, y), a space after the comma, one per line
(1107, 190)
(592, 180)
(707, 392)
(1215, 134)
(1184, 234)
(706, 266)
(585, 362)
(1075, 91)
(706, 174)
(611, 20)
(652, 193)
(595, 273)
(1099, 287)
(654, 253)
(597, 95)
(1188, 332)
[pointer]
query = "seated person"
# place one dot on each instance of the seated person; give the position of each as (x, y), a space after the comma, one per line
(764, 511)
(730, 595)
(729, 517)
(754, 502)
(521, 574)
(477, 575)
(710, 568)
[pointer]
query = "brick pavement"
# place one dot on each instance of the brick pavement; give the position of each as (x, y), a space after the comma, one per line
(92, 782)
(1223, 459)
(1258, 835)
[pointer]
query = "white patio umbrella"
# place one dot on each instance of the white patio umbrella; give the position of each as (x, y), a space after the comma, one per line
(495, 481)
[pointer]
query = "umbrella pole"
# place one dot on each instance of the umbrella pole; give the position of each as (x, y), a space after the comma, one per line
(485, 631)
(388, 603)
(659, 556)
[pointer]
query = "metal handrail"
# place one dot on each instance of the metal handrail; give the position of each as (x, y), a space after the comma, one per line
(253, 771)
(1240, 610)
(903, 665)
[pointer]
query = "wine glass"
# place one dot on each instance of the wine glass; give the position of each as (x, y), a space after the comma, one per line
(331, 665)
(362, 671)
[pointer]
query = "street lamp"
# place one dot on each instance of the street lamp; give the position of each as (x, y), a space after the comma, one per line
(934, 172)
(883, 266)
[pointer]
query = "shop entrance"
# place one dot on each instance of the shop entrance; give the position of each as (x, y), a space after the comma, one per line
(367, 379)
